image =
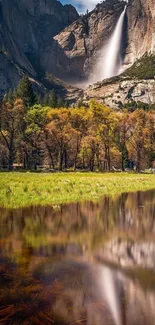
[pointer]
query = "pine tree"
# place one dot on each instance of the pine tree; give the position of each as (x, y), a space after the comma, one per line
(52, 99)
(60, 102)
(38, 99)
(46, 99)
(66, 104)
(25, 92)
(10, 97)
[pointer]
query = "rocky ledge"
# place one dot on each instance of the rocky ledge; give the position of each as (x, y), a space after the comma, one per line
(121, 91)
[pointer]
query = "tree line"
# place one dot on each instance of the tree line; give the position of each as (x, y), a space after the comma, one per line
(83, 138)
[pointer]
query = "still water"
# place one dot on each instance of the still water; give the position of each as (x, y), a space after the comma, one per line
(83, 263)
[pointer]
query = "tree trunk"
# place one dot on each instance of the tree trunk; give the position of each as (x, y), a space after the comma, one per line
(27, 161)
(65, 155)
(83, 162)
(108, 159)
(91, 164)
(123, 167)
(76, 154)
(105, 164)
(11, 159)
(138, 161)
(61, 160)
(98, 159)
(50, 155)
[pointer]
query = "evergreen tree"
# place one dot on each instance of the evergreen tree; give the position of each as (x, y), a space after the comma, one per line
(66, 104)
(53, 99)
(60, 102)
(46, 99)
(9, 97)
(38, 99)
(25, 92)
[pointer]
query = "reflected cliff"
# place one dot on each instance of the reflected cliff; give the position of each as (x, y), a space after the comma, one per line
(79, 227)
(72, 292)
(83, 263)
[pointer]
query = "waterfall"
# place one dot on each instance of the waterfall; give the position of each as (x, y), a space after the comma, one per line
(111, 291)
(110, 62)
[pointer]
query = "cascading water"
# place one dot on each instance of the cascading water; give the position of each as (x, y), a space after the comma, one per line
(110, 62)
(111, 290)
(113, 62)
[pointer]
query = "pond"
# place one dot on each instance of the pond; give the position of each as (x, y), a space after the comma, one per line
(83, 263)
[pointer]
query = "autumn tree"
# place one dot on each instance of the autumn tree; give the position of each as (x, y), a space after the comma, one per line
(122, 136)
(139, 127)
(61, 130)
(10, 128)
(149, 138)
(95, 137)
(89, 148)
(79, 121)
(105, 122)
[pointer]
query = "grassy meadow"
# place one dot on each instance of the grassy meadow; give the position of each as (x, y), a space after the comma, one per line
(25, 189)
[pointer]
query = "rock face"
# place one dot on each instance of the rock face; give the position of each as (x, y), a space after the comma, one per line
(26, 27)
(120, 91)
(74, 51)
(33, 23)
(39, 36)
(141, 29)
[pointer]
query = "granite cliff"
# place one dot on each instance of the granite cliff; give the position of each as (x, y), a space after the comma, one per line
(133, 88)
(40, 36)
(141, 29)
(26, 28)
(76, 49)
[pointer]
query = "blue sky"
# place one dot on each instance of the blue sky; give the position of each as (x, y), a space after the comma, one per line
(82, 5)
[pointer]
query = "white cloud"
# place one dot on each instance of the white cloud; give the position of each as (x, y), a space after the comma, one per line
(83, 5)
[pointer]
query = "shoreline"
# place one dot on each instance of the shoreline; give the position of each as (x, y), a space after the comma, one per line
(21, 190)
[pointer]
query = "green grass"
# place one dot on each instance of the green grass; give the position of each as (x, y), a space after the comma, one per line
(26, 189)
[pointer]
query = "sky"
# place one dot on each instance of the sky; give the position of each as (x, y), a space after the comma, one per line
(82, 5)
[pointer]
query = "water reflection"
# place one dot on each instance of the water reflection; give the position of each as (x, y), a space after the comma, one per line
(72, 292)
(78, 227)
(52, 263)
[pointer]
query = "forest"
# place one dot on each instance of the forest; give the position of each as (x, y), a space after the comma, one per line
(37, 135)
